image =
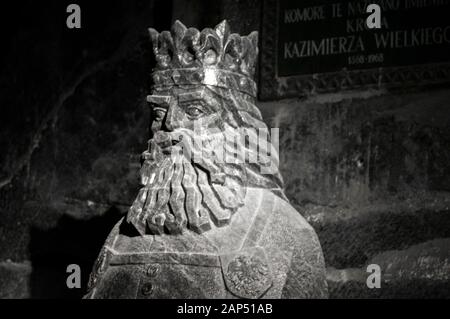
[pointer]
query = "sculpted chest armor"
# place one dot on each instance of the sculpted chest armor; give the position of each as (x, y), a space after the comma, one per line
(267, 251)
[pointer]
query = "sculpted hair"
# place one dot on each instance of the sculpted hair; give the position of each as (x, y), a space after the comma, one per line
(243, 115)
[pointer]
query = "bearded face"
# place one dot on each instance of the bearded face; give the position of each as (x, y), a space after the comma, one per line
(194, 173)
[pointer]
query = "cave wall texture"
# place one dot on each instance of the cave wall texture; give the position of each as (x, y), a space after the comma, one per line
(370, 170)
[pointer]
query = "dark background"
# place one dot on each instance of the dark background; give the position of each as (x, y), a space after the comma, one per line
(369, 169)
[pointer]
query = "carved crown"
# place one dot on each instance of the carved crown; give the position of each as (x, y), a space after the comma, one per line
(210, 57)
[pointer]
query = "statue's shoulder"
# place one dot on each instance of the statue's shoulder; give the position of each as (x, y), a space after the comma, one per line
(275, 218)
(287, 217)
(292, 247)
(279, 225)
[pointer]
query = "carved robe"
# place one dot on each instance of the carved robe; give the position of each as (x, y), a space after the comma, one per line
(267, 251)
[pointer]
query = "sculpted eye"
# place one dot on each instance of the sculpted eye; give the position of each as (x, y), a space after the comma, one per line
(194, 111)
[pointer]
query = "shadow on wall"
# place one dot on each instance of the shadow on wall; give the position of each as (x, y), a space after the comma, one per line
(72, 241)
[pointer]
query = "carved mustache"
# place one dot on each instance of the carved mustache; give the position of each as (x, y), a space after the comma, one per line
(192, 147)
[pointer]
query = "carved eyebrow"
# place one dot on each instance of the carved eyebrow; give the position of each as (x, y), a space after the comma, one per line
(160, 100)
(190, 96)
(199, 94)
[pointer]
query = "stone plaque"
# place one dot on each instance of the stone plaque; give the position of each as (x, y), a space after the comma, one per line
(325, 45)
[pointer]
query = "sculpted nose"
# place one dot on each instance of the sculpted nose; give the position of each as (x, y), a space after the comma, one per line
(170, 122)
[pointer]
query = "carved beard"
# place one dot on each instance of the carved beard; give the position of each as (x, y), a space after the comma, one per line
(188, 184)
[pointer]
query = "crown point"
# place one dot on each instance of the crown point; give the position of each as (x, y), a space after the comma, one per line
(223, 30)
(253, 37)
(222, 25)
(153, 33)
(154, 38)
(178, 27)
